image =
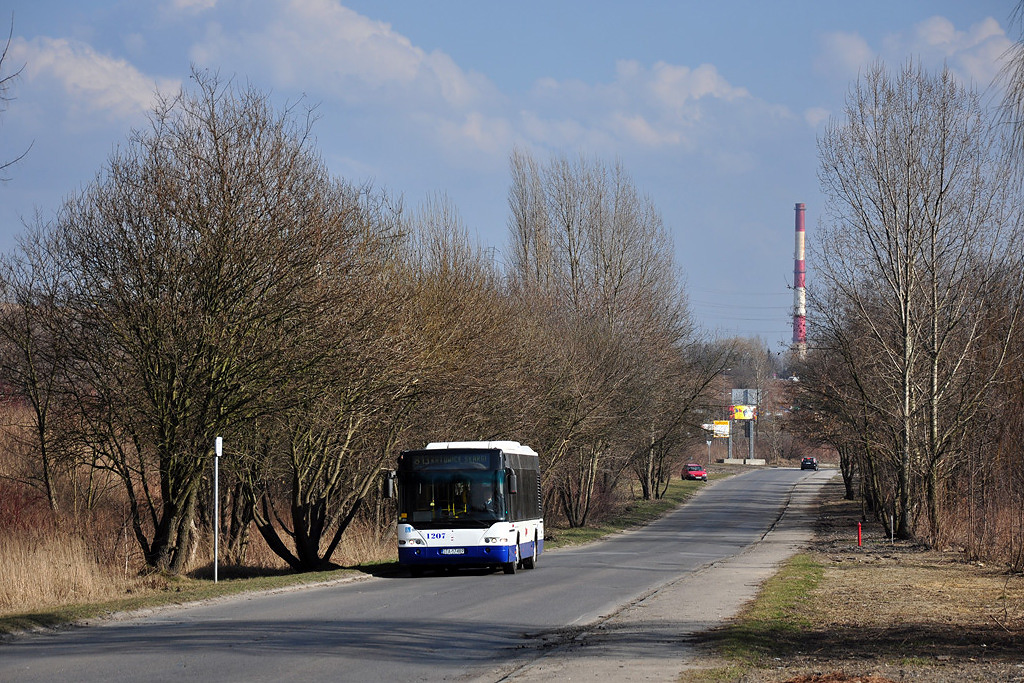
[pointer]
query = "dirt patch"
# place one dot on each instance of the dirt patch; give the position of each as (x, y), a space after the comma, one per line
(898, 611)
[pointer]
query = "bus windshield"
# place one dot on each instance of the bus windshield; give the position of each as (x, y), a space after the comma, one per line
(445, 497)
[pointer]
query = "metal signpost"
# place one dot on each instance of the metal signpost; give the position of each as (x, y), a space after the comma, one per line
(218, 444)
(744, 409)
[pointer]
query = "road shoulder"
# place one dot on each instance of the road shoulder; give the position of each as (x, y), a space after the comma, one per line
(650, 639)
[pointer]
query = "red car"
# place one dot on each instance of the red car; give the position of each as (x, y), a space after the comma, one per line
(694, 471)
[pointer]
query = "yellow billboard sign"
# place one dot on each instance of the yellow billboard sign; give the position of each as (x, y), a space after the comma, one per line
(744, 412)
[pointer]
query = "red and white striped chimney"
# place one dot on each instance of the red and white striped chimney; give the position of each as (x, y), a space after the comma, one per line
(799, 294)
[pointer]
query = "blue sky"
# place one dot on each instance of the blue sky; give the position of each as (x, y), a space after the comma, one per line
(713, 107)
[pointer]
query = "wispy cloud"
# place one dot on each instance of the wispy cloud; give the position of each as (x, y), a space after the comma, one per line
(974, 54)
(91, 81)
(193, 5)
(661, 106)
(488, 134)
(843, 55)
(815, 116)
(323, 45)
(675, 86)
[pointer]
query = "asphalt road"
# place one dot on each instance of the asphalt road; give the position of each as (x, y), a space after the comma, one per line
(466, 625)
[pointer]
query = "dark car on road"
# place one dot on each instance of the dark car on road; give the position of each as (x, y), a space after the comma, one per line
(694, 471)
(809, 464)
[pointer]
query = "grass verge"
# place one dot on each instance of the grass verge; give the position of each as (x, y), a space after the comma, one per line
(773, 623)
(164, 590)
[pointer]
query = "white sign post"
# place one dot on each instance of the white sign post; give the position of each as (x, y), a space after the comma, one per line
(218, 445)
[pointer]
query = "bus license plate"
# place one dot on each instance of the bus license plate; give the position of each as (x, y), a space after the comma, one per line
(453, 551)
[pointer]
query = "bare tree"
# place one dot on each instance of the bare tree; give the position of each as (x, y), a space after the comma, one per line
(1012, 77)
(684, 380)
(592, 262)
(921, 226)
(188, 255)
(34, 347)
(312, 461)
(469, 331)
(8, 78)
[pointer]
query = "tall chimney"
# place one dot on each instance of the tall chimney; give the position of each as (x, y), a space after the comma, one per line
(799, 294)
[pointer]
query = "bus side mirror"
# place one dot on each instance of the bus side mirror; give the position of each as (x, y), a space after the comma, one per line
(389, 484)
(513, 482)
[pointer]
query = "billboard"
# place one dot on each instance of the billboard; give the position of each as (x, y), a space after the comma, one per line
(746, 397)
(721, 429)
(744, 412)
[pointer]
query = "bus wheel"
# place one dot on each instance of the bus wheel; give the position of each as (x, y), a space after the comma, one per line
(510, 567)
(531, 561)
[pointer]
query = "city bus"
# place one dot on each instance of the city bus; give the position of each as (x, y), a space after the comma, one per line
(469, 503)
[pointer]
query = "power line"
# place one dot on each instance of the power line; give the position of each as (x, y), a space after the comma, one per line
(744, 309)
(738, 292)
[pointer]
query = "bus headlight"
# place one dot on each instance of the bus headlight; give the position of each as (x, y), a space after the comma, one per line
(416, 541)
(495, 539)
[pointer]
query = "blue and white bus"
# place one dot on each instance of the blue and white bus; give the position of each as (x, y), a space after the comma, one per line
(470, 503)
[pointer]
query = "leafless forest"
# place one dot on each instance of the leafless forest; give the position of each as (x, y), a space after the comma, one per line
(915, 375)
(214, 279)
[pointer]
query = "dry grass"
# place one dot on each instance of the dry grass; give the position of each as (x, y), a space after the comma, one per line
(51, 571)
(40, 572)
(361, 545)
(54, 559)
(46, 565)
(49, 558)
(947, 600)
(893, 611)
(926, 590)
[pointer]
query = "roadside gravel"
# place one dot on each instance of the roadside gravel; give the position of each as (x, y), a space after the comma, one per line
(653, 638)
